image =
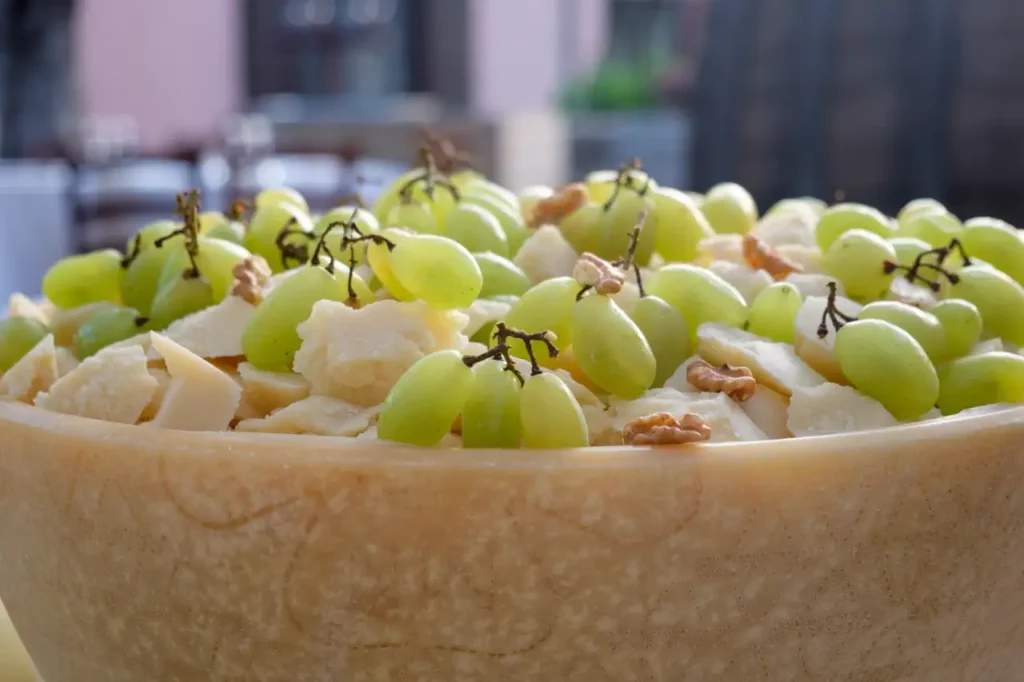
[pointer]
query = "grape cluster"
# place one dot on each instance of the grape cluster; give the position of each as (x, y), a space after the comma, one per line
(916, 312)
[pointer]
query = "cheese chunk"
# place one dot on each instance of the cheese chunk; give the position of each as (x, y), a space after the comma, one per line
(20, 305)
(200, 396)
(720, 247)
(769, 410)
(215, 332)
(66, 361)
(775, 365)
(678, 380)
(34, 373)
(317, 415)
(748, 281)
(727, 421)
(163, 382)
(483, 311)
(807, 257)
(545, 255)
(791, 227)
(358, 355)
(811, 284)
(600, 427)
(112, 385)
(831, 408)
(265, 392)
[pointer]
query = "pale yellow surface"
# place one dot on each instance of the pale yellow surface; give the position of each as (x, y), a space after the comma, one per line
(130, 554)
(15, 665)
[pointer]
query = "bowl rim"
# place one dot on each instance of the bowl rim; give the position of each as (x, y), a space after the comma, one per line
(296, 449)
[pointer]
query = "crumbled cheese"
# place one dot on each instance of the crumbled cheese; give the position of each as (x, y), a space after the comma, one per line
(113, 385)
(215, 332)
(831, 408)
(812, 284)
(265, 392)
(483, 311)
(748, 281)
(34, 373)
(66, 361)
(727, 421)
(200, 397)
(546, 255)
(773, 364)
(317, 415)
(728, 247)
(787, 228)
(20, 305)
(358, 355)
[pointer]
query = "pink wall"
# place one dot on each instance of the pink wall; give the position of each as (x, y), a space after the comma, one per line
(173, 65)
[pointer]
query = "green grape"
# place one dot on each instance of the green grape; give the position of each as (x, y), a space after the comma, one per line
(885, 363)
(490, 417)
(730, 209)
(803, 204)
(550, 416)
(583, 228)
(86, 278)
(937, 229)
(362, 290)
(426, 400)
(841, 218)
(908, 249)
(281, 195)
(483, 335)
(477, 229)
(926, 328)
(148, 234)
(856, 259)
(512, 223)
(209, 220)
(19, 335)
(106, 327)
(545, 307)
(216, 260)
(622, 217)
(977, 380)
(484, 187)
(266, 225)
(178, 298)
(501, 276)
(390, 197)
(666, 332)
(465, 177)
(773, 312)
(916, 206)
(601, 184)
(700, 295)
(610, 348)
(229, 231)
(363, 220)
(271, 337)
(681, 225)
(997, 243)
(143, 276)
(416, 216)
(998, 298)
(529, 196)
(962, 323)
(698, 199)
(437, 270)
(379, 258)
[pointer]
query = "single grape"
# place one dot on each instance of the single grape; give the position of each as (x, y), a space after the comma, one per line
(281, 195)
(267, 224)
(730, 209)
(923, 326)
(490, 417)
(545, 307)
(483, 187)
(841, 218)
(977, 380)
(465, 177)
(379, 258)
(962, 323)
(610, 348)
(584, 227)
(390, 197)
(700, 295)
(885, 363)
(908, 249)
(86, 278)
(209, 220)
(142, 278)
(601, 184)
(363, 292)
(106, 327)
(477, 229)
(216, 260)
(415, 216)
(856, 259)
(550, 416)
(935, 228)
(622, 217)
(229, 231)
(484, 334)
(501, 276)
(916, 206)
(363, 220)
(426, 400)
(997, 243)
(512, 223)
(529, 196)
(439, 199)
(19, 335)
(271, 337)
(998, 298)
(150, 233)
(773, 312)
(178, 298)
(681, 225)
(437, 270)
(666, 332)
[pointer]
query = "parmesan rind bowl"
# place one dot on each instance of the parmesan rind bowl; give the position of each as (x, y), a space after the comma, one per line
(131, 553)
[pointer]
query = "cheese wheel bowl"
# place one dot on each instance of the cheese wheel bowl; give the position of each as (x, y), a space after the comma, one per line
(130, 553)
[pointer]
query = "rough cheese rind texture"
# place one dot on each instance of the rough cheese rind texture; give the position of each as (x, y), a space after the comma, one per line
(546, 255)
(266, 392)
(831, 408)
(727, 421)
(358, 355)
(200, 396)
(215, 332)
(34, 373)
(113, 385)
(316, 415)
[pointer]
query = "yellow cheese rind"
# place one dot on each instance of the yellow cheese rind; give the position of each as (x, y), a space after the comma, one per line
(200, 396)
(113, 385)
(316, 415)
(34, 373)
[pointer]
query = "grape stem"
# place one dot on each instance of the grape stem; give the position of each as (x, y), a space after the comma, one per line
(430, 177)
(188, 209)
(501, 350)
(353, 300)
(624, 179)
(238, 208)
(448, 155)
(292, 251)
(141, 321)
(348, 241)
(133, 253)
(582, 292)
(833, 314)
(628, 262)
(941, 254)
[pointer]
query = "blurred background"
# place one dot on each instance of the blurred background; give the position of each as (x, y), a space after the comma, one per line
(109, 107)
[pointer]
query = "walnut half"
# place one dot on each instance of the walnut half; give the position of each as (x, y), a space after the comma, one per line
(251, 275)
(662, 428)
(737, 382)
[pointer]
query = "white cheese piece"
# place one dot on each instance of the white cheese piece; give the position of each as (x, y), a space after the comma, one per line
(813, 284)
(769, 410)
(807, 257)
(66, 361)
(20, 305)
(831, 408)
(790, 227)
(600, 427)
(163, 382)
(728, 247)
(483, 311)
(546, 255)
(727, 421)
(819, 352)
(112, 385)
(34, 373)
(214, 332)
(317, 415)
(748, 281)
(358, 355)
(200, 397)
(775, 365)
(266, 392)
(678, 380)
(143, 341)
(905, 292)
